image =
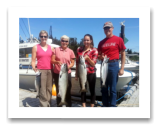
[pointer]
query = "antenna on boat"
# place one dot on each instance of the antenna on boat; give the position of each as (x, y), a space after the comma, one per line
(122, 34)
(122, 23)
(29, 31)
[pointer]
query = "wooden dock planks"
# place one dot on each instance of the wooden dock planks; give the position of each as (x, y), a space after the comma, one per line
(133, 101)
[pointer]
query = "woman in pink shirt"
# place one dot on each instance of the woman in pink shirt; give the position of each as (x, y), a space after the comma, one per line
(63, 55)
(43, 53)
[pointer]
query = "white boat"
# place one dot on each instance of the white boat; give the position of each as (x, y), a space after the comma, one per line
(27, 80)
(25, 51)
(26, 73)
(130, 65)
(122, 81)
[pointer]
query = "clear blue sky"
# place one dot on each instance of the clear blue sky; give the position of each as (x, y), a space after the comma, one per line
(78, 27)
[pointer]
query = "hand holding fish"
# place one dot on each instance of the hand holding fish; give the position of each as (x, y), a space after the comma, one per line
(102, 56)
(59, 63)
(86, 57)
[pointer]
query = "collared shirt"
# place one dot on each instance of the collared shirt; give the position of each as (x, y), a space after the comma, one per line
(64, 56)
(92, 54)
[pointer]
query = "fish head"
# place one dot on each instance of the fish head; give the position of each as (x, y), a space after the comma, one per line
(81, 60)
(64, 67)
(106, 59)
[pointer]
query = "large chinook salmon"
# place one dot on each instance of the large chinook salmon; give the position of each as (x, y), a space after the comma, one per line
(63, 84)
(82, 73)
(104, 71)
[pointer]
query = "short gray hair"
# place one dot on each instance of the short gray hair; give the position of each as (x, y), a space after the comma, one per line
(42, 32)
(64, 37)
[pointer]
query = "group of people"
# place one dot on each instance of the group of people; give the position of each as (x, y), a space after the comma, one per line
(46, 56)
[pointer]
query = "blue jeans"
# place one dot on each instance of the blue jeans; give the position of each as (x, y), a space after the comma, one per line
(111, 82)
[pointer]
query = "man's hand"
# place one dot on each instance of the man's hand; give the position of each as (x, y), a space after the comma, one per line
(121, 72)
(101, 56)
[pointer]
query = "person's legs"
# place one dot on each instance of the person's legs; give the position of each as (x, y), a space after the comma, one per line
(56, 77)
(104, 91)
(83, 95)
(68, 93)
(92, 81)
(113, 75)
(49, 85)
(42, 94)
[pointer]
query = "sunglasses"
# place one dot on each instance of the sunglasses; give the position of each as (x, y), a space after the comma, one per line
(64, 41)
(43, 36)
(106, 28)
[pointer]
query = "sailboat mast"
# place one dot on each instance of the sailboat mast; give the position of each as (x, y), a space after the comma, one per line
(29, 30)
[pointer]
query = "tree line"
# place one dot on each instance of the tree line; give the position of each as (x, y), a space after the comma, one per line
(73, 45)
(133, 58)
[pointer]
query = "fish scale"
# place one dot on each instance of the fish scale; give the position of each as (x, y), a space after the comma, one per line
(104, 71)
(82, 73)
(63, 84)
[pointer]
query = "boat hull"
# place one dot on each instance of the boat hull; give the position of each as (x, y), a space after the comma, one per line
(122, 81)
(27, 81)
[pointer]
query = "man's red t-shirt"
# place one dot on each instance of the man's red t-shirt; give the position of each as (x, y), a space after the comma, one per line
(111, 47)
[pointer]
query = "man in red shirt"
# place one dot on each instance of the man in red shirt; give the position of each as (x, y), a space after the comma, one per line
(111, 46)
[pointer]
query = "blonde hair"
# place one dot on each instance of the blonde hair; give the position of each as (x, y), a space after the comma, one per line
(64, 37)
(42, 32)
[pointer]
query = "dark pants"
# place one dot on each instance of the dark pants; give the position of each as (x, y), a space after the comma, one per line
(68, 93)
(111, 82)
(91, 78)
(45, 93)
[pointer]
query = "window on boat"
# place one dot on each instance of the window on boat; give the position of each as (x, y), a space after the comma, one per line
(24, 53)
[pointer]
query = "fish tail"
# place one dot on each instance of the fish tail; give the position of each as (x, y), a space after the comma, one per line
(62, 103)
(103, 86)
(83, 90)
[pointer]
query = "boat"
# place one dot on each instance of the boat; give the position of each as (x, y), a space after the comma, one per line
(122, 81)
(25, 51)
(26, 73)
(130, 65)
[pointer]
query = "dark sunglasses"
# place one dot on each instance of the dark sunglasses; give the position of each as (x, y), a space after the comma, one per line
(43, 36)
(106, 28)
(64, 41)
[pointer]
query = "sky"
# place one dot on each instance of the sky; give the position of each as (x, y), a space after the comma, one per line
(78, 27)
(137, 37)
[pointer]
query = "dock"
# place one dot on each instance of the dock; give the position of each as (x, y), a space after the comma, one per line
(28, 99)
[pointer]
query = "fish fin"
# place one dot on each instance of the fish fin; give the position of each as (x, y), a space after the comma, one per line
(61, 74)
(80, 91)
(37, 96)
(58, 95)
(32, 90)
(62, 103)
